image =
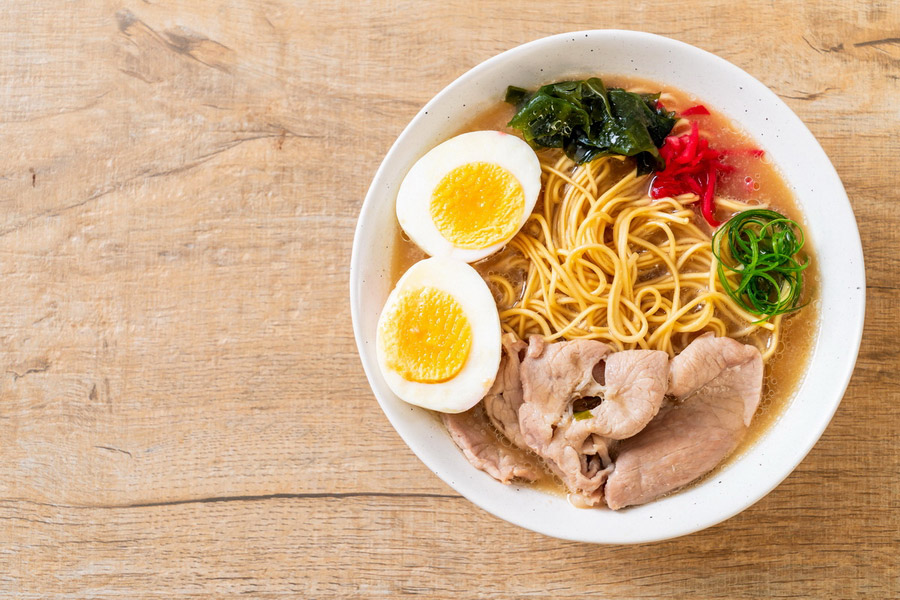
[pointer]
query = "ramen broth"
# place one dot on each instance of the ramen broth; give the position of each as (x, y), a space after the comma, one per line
(755, 181)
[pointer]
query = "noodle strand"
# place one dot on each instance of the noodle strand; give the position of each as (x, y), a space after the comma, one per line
(603, 261)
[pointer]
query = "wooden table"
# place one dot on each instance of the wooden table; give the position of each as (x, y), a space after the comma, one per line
(182, 409)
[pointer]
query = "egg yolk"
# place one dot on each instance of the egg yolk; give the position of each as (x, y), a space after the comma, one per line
(477, 205)
(426, 336)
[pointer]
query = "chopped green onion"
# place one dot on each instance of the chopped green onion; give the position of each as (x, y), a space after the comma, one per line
(583, 415)
(761, 247)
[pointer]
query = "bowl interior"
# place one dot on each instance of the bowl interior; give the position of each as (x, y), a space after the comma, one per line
(830, 224)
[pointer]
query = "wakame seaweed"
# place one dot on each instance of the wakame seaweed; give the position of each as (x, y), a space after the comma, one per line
(588, 121)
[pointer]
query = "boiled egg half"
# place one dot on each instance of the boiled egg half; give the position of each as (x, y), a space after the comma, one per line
(467, 197)
(438, 338)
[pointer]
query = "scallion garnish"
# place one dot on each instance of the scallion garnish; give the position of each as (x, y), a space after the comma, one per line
(762, 249)
(583, 415)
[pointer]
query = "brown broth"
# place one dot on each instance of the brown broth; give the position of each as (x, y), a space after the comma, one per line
(755, 181)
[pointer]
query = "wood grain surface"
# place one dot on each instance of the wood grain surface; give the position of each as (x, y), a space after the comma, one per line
(182, 409)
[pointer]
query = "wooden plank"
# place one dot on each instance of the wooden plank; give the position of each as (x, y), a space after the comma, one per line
(365, 546)
(182, 409)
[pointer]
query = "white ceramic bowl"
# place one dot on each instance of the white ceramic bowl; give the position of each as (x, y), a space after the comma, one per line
(831, 226)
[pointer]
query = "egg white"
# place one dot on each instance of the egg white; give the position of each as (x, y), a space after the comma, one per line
(463, 391)
(414, 196)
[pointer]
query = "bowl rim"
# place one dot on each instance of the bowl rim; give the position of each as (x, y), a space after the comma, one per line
(855, 317)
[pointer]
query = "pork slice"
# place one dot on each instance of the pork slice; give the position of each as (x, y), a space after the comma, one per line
(485, 450)
(580, 460)
(553, 377)
(719, 381)
(634, 388)
(708, 359)
(503, 400)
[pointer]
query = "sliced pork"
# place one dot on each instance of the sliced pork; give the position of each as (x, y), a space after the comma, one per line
(718, 382)
(553, 377)
(482, 447)
(580, 460)
(719, 365)
(626, 390)
(505, 397)
(634, 388)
